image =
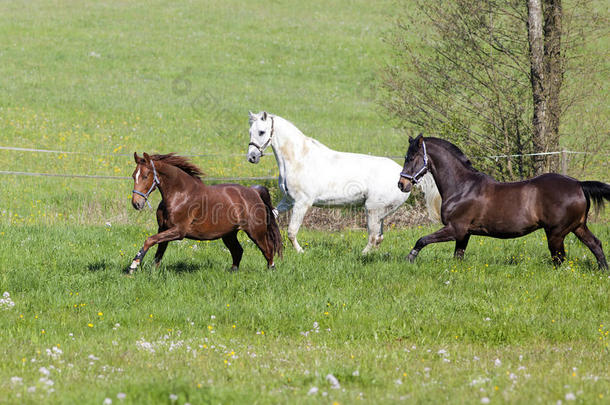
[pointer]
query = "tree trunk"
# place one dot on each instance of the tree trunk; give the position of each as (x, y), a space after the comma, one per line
(554, 68)
(537, 78)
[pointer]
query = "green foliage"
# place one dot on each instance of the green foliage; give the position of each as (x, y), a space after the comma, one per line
(461, 69)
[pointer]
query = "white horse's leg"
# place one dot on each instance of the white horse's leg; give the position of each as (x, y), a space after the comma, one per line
(374, 226)
(296, 219)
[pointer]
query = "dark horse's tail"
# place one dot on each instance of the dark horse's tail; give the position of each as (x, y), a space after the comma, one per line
(596, 192)
(274, 238)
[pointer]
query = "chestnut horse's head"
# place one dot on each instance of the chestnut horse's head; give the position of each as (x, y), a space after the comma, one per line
(145, 180)
(416, 164)
(261, 132)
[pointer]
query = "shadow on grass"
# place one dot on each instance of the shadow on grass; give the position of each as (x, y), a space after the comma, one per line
(375, 257)
(100, 265)
(182, 266)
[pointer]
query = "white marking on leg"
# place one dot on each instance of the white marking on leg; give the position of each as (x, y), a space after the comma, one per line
(134, 264)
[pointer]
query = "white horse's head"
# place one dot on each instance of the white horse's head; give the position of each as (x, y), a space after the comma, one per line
(261, 131)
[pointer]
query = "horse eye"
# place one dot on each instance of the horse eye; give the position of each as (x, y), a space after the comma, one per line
(261, 133)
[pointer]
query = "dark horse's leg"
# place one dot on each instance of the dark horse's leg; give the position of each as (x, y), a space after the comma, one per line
(586, 236)
(165, 236)
(460, 247)
(442, 235)
(231, 242)
(555, 242)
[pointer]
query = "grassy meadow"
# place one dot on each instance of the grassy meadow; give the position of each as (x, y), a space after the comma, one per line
(100, 80)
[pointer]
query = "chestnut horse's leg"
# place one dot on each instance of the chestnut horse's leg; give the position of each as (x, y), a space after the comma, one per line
(444, 234)
(160, 252)
(586, 236)
(165, 236)
(460, 247)
(231, 242)
(555, 243)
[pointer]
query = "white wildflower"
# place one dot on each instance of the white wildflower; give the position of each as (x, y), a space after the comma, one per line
(312, 391)
(332, 380)
(485, 400)
(570, 396)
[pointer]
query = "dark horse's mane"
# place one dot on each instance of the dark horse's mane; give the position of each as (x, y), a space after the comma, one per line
(454, 150)
(181, 163)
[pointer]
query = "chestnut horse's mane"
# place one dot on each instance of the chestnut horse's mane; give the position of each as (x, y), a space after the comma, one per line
(180, 162)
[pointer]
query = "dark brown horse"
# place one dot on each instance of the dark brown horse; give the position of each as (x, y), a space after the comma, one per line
(191, 209)
(476, 204)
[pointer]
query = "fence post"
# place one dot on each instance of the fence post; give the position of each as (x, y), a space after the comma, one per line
(564, 162)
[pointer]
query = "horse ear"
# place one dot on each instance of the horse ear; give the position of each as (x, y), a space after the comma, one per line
(410, 139)
(420, 139)
(146, 157)
(264, 116)
(136, 157)
(251, 115)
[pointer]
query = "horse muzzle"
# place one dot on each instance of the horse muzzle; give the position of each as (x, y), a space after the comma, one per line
(404, 185)
(138, 203)
(254, 157)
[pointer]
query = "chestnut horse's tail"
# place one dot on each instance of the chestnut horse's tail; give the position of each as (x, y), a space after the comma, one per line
(596, 192)
(274, 238)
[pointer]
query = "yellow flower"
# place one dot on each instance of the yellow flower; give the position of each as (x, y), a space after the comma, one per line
(90, 325)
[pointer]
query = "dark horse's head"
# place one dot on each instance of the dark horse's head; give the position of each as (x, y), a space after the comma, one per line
(416, 164)
(145, 180)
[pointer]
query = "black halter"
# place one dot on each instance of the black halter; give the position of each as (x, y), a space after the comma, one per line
(152, 186)
(262, 148)
(417, 176)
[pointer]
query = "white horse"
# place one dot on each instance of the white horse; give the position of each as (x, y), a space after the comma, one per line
(313, 174)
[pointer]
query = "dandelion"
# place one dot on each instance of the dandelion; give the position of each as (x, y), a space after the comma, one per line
(90, 325)
(100, 314)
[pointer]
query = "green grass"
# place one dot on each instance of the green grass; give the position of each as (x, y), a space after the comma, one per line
(219, 336)
(108, 78)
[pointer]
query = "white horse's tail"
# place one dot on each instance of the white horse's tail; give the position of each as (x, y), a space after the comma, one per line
(433, 197)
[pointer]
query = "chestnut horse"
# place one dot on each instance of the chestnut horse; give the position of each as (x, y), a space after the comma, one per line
(191, 209)
(473, 203)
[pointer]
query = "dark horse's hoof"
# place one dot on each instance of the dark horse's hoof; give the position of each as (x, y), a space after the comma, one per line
(411, 258)
(233, 269)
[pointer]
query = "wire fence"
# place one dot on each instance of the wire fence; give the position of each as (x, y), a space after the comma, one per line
(564, 154)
